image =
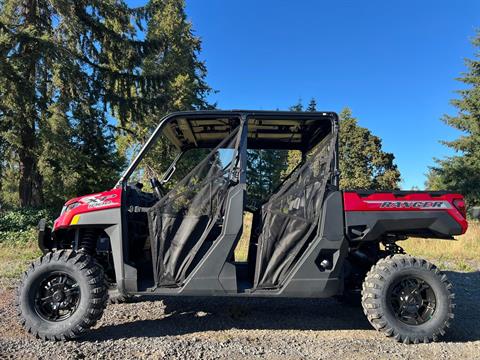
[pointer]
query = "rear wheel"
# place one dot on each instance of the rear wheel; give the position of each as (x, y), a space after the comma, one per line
(61, 295)
(408, 298)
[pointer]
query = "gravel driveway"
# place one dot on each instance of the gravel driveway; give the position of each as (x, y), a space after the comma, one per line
(199, 328)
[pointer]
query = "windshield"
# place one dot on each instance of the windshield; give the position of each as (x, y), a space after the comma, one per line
(169, 161)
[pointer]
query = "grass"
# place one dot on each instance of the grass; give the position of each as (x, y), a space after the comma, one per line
(15, 257)
(462, 254)
(241, 251)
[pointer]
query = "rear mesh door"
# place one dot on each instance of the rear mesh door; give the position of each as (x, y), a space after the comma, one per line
(290, 218)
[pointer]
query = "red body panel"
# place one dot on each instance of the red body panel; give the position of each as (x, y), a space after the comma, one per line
(101, 201)
(414, 201)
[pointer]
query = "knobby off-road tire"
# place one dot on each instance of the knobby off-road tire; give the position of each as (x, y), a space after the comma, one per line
(61, 295)
(408, 299)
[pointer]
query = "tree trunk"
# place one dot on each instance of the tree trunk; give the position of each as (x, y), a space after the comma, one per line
(26, 180)
(30, 191)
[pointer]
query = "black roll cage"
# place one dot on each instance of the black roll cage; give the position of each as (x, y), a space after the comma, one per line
(242, 115)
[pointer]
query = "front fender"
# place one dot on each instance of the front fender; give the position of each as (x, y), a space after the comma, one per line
(110, 221)
(45, 239)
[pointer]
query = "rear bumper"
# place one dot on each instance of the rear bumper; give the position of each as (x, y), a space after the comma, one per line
(373, 225)
(45, 240)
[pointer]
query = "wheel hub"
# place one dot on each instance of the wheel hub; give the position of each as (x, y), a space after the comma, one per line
(412, 300)
(57, 297)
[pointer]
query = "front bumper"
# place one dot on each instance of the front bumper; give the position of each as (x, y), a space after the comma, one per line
(45, 240)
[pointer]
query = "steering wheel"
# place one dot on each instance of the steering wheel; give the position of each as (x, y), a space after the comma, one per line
(157, 186)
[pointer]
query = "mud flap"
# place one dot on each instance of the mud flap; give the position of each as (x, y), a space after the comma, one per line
(45, 240)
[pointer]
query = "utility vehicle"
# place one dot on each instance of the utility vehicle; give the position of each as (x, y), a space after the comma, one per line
(209, 172)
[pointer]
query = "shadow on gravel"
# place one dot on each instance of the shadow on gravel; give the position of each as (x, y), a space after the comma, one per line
(190, 314)
(465, 326)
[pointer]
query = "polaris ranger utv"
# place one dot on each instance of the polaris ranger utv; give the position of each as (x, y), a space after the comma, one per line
(177, 234)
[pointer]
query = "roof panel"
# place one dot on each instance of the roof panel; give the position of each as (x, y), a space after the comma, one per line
(265, 129)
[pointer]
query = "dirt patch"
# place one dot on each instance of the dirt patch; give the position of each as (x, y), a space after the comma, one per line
(215, 328)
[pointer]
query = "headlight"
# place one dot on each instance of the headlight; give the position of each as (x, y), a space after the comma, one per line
(70, 207)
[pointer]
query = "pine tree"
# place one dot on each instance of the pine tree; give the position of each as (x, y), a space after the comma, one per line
(312, 105)
(183, 78)
(363, 163)
(461, 173)
(22, 90)
(57, 57)
(297, 107)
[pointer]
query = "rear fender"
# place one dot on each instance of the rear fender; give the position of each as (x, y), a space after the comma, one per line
(45, 239)
(371, 216)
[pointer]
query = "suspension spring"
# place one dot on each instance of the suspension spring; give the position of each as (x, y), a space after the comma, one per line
(88, 241)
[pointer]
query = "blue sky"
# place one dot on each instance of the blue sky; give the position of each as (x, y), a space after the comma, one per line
(394, 63)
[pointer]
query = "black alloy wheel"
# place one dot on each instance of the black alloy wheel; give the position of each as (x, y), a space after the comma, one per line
(57, 297)
(412, 300)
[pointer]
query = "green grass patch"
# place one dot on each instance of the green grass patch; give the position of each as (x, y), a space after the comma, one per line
(17, 250)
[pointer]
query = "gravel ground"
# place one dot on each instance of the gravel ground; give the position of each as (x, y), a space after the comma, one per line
(199, 328)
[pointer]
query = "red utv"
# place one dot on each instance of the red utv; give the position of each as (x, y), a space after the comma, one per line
(177, 233)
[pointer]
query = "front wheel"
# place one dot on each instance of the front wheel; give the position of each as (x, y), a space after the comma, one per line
(408, 298)
(61, 295)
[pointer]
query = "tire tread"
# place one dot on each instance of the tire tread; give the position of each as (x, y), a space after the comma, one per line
(91, 270)
(371, 296)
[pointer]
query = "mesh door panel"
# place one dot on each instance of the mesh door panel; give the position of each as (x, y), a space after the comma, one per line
(291, 216)
(182, 220)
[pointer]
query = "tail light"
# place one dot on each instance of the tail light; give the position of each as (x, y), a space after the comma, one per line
(460, 206)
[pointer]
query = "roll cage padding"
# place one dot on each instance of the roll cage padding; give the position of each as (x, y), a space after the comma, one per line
(183, 219)
(290, 218)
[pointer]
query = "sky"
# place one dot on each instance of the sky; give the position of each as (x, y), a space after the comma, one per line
(394, 63)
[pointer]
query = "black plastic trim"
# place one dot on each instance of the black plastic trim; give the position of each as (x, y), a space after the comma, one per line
(373, 225)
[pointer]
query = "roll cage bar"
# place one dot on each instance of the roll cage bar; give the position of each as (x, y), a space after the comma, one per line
(244, 115)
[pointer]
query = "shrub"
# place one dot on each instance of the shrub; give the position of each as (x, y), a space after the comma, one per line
(23, 219)
(21, 237)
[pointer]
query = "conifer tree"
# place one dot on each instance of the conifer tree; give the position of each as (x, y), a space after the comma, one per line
(297, 107)
(312, 105)
(183, 74)
(62, 65)
(363, 163)
(461, 172)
